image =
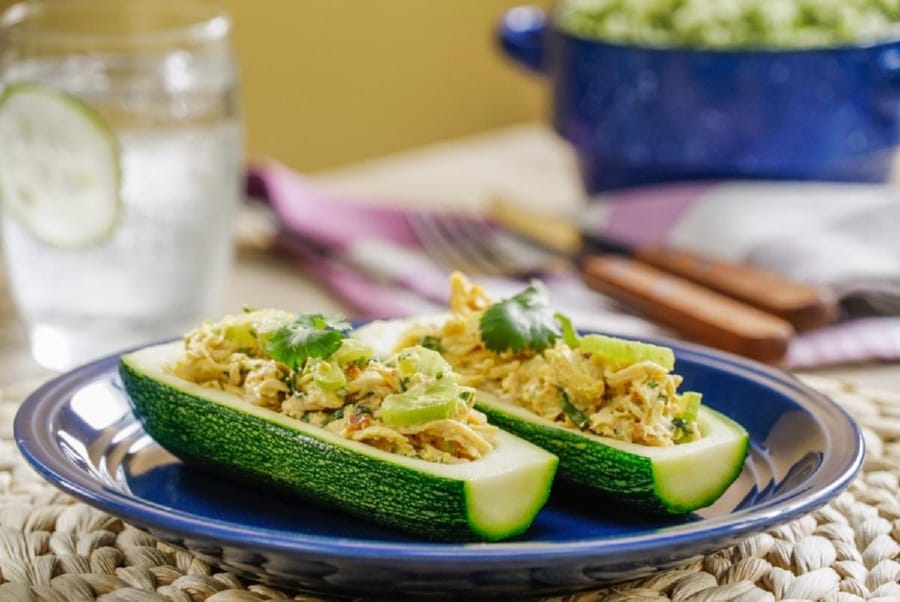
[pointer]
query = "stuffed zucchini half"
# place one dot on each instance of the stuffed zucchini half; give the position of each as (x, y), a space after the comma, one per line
(290, 402)
(610, 408)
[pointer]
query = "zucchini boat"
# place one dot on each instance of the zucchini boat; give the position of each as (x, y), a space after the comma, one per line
(608, 407)
(491, 498)
(675, 479)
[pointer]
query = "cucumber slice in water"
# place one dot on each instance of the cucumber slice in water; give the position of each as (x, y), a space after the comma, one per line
(59, 166)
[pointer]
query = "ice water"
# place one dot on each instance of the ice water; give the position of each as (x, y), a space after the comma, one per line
(165, 265)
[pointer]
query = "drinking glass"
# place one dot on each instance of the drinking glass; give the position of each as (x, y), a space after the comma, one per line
(120, 170)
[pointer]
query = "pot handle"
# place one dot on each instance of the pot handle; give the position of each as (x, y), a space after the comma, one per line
(521, 35)
(889, 62)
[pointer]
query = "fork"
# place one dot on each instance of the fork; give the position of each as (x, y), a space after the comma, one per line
(477, 247)
(474, 246)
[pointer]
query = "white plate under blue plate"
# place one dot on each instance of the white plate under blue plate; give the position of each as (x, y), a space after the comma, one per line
(79, 432)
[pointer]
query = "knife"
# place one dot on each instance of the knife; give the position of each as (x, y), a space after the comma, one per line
(698, 312)
(803, 306)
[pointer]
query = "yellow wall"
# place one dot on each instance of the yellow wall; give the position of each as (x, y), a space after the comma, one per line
(331, 81)
(327, 82)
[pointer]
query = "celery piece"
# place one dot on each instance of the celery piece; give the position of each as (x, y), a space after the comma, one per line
(432, 396)
(328, 375)
(619, 353)
(690, 404)
(353, 351)
(242, 335)
(419, 405)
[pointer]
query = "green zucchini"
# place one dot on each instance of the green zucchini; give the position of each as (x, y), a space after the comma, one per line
(491, 498)
(674, 479)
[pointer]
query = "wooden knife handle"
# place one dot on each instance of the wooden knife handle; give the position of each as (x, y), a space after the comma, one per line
(802, 305)
(701, 314)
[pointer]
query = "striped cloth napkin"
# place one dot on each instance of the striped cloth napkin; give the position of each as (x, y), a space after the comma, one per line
(836, 236)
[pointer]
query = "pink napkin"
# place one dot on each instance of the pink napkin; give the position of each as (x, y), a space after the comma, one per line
(368, 256)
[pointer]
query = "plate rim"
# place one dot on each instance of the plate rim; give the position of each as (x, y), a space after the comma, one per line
(38, 449)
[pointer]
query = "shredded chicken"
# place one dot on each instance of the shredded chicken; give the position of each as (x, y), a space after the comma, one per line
(229, 355)
(637, 403)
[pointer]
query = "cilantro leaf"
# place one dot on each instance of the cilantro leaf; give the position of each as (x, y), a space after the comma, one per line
(309, 335)
(522, 322)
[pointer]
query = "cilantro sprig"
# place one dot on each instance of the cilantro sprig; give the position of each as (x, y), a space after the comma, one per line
(309, 335)
(523, 322)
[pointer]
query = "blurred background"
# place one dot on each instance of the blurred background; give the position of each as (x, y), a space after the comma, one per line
(748, 135)
(327, 82)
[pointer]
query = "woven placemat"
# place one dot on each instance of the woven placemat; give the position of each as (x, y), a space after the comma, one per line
(56, 549)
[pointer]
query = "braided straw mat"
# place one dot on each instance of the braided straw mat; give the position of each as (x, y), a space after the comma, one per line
(56, 549)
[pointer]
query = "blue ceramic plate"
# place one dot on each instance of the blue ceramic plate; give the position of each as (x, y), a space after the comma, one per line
(79, 432)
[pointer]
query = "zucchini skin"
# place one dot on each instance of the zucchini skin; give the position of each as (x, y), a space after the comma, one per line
(627, 477)
(623, 477)
(228, 441)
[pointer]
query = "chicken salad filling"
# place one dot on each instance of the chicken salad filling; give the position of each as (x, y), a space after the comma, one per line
(521, 352)
(305, 367)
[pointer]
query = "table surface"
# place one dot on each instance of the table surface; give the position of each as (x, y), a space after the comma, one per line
(527, 163)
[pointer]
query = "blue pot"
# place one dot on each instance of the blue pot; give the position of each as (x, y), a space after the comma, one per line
(639, 115)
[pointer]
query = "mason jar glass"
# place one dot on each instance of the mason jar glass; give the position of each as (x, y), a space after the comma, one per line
(120, 170)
